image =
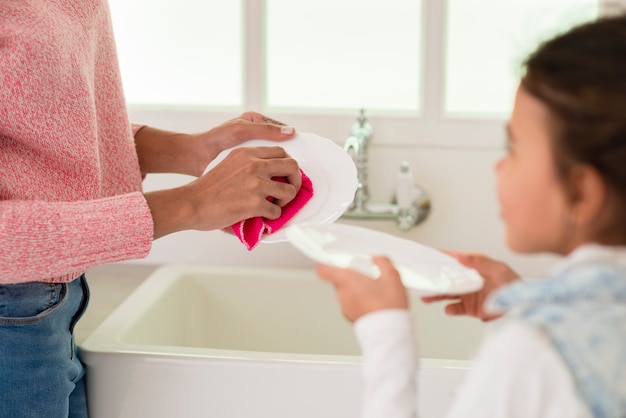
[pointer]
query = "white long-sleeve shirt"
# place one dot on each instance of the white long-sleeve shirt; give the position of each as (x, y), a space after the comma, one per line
(517, 372)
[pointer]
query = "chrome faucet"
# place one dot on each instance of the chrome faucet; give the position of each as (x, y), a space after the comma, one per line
(356, 145)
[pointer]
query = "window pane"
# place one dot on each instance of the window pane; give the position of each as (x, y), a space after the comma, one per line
(487, 40)
(180, 52)
(344, 54)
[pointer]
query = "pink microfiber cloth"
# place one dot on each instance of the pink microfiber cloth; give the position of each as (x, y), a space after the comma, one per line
(250, 231)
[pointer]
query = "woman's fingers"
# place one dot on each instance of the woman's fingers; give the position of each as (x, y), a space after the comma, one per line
(269, 163)
(254, 125)
(239, 187)
(260, 118)
(438, 298)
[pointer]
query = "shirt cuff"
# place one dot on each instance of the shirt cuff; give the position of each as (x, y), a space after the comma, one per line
(370, 327)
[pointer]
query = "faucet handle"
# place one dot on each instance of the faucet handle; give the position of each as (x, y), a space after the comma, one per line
(361, 128)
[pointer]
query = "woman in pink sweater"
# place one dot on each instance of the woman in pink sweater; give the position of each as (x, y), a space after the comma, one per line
(71, 167)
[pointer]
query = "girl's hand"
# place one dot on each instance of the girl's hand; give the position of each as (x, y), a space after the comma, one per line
(359, 294)
(496, 275)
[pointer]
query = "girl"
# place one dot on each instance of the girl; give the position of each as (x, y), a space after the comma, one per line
(559, 349)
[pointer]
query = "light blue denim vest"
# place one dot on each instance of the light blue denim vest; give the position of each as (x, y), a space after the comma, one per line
(583, 311)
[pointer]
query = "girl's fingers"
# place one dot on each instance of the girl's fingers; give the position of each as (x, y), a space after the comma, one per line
(455, 309)
(334, 275)
(387, 269)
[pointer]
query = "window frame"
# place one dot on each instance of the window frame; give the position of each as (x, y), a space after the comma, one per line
(428, 127)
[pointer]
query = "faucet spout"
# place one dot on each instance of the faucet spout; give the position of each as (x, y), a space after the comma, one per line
(356, 146)
(352, 147)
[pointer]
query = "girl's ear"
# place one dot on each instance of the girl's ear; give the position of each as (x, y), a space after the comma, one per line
(589, 197)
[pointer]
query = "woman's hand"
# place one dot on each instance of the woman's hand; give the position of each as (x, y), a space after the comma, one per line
(161, 151)
(359, 294)
(237, 188)
(496, 275)
(250, 125)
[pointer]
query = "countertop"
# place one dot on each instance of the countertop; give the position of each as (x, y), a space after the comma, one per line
(109, 286)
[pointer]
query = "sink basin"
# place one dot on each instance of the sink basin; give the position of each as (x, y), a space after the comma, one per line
(196, 341)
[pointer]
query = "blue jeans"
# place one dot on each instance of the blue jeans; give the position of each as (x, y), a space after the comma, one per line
(40, 373)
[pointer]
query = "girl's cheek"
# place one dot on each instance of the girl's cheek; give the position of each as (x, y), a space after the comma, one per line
(500, 171)
(501, 189)
(505, 185)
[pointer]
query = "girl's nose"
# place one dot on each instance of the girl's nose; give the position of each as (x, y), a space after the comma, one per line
(499, 165)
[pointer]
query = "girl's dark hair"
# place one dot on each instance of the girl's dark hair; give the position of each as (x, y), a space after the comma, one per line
(581, 77)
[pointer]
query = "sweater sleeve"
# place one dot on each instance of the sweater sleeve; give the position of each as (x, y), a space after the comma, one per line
(136, 127)
(390, 359)
(70, 190)
(57, 241)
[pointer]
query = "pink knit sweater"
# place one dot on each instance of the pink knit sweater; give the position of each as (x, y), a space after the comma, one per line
(70, 185)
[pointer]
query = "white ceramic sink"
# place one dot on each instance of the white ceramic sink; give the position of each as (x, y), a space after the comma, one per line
(236, 342)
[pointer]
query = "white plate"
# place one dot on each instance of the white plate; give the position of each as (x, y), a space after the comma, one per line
(422, 268)
(330, 168)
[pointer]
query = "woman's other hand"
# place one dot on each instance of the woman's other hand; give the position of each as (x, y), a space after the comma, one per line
(250, 125)
(162, 151)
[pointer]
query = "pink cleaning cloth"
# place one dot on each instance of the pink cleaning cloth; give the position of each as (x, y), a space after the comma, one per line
(250, 231)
